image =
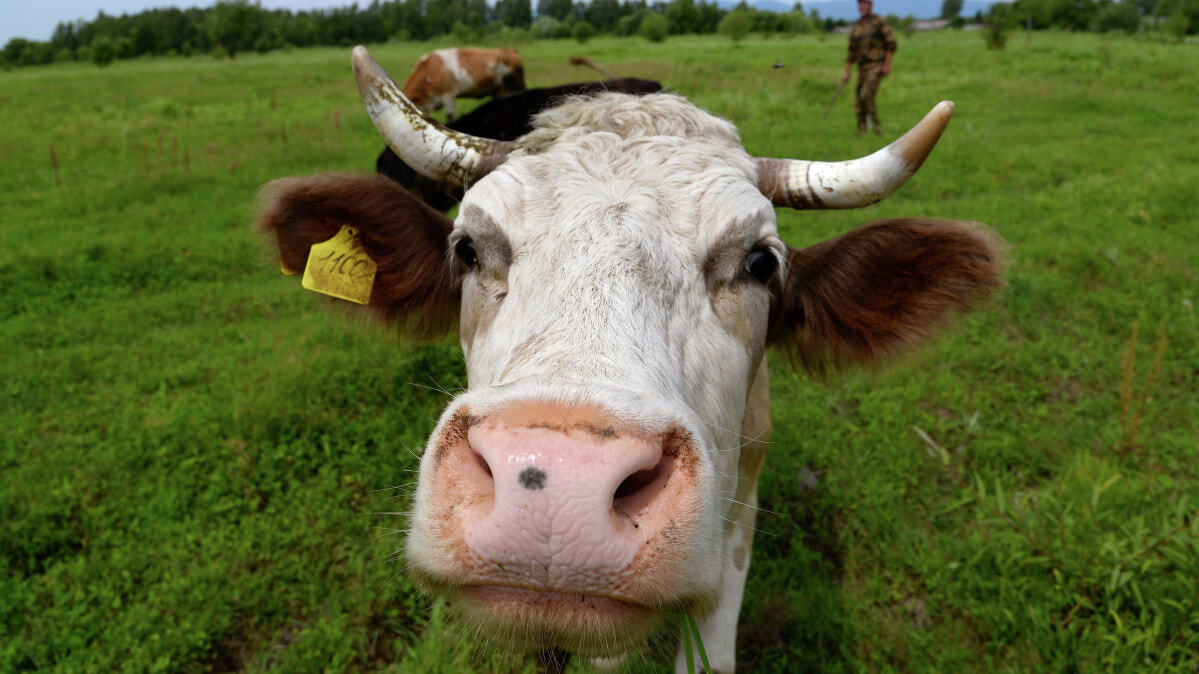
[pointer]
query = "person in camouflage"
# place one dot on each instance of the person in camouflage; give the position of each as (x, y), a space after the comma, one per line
(871, 45)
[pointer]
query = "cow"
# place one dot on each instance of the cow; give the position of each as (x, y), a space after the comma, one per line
(505, 118)
(443, 75)
(615, 278)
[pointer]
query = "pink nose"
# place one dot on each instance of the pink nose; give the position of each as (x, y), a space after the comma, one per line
(567, 500)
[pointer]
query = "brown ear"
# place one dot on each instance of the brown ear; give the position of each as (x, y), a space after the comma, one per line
(885, 286)
(414, 284)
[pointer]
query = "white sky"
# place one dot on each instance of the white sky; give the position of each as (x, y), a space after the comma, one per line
(36, 19)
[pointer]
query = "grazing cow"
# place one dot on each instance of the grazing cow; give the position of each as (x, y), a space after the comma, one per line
(445, 74)
(506, 118)
(615, 277)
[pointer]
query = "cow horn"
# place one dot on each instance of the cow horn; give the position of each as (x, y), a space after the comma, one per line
(431, 149)
(856, 182)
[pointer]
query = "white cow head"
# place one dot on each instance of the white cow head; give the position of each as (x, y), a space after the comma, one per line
(618, 276)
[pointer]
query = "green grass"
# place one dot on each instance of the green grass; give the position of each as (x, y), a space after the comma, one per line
(194, 450)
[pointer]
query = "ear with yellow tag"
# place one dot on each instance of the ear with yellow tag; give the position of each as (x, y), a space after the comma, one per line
(340, 268)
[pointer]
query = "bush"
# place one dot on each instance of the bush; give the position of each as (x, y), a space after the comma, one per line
(549, 28)
(1176, 25)
(735, 25)
(584, 31)
(994, 36)
(653, 27)
(798, 22)
(123, 47)
(37, 53)
(998, 21)
(464, 33)
(628, 24)
(103, 51)
(13, 50)
(20, 51)
(1118, 16)
(497, 32)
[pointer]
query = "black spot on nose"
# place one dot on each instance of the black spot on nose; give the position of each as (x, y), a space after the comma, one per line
(532, 478)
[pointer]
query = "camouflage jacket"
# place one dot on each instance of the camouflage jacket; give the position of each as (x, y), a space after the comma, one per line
(870, 40)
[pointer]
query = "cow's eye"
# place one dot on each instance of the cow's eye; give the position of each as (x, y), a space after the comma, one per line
(761, 264)
(464, 250)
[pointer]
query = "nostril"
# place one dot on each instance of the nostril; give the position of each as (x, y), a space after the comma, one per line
(638, 481)
(636, 495)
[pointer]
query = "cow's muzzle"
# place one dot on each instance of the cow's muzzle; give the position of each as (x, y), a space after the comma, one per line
(562, 519)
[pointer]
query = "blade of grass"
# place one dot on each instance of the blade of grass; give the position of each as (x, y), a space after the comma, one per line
(699, 641)
(687, 654)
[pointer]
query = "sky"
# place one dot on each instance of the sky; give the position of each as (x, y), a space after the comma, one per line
(36, 19)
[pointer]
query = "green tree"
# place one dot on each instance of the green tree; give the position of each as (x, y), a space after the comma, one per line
(517, 13)
(735, 25)
(1177, 25)
(558, 9)
(65, 37)
(654, 27)
(681, 16)
(13, 50)
(707, 17)
(951, 9)
(1182, 16)
(103, 51)
(999, 19)
(144, 39)
(234, 25)
(549, 28)
(1118, 16)
(628, 24)
(1074, 14)
(603, 14)
(583, 31)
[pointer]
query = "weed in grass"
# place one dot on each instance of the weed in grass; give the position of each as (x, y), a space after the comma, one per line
(1132, 403)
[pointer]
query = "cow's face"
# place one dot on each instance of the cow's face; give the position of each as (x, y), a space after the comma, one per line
(617, 275)
(615, 300)
(583, 267)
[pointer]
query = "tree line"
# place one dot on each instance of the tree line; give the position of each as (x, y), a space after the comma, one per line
(231, 27)
(1174, 18)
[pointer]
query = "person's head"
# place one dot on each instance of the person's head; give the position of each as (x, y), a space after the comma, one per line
(865, 7)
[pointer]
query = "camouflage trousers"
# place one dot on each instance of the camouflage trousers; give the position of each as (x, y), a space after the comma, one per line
(869, 77)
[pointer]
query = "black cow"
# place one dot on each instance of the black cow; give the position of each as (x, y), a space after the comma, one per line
(505, 118)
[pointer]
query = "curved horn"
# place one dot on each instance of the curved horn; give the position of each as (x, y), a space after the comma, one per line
(431, 149)
(857, 182)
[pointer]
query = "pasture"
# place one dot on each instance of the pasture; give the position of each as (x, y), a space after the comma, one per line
(204, 467)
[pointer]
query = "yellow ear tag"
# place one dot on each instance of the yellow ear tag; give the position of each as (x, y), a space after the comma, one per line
(341, 268)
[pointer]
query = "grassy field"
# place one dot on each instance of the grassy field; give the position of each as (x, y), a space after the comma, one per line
(200, 462)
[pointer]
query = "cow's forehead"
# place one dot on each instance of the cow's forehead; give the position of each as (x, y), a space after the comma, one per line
(685, 193)
(652, 115)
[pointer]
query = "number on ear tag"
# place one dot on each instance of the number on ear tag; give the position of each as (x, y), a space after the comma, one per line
(340, 268)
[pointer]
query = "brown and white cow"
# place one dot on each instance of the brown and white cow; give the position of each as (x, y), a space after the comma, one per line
(443, 75)
(615, 277)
